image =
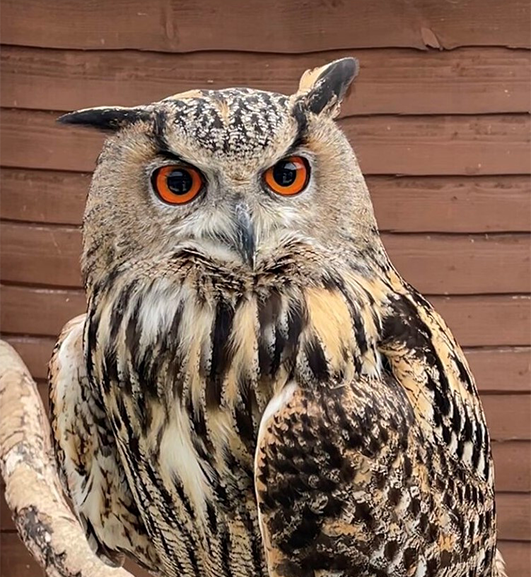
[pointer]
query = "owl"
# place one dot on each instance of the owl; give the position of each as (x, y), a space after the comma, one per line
(254, 389)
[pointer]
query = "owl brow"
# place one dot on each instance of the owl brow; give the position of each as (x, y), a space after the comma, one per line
(160, 119)
(302, 130)
(298, 141)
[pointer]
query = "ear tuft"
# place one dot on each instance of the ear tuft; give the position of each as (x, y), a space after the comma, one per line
(323, 89)
(104, 117)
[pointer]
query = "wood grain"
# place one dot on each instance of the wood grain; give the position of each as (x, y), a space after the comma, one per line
(452, 204)
(16, 561)
(35, 352)
(501, 370)
(391, 81)
(487, 320)
(441, 145)
(408, 145)
(472, 204)
(512, 461)
(517, 557)
(45, 255)
(435, 264)
(43, 196)
(455, 264)
(508, 416)
(497, 370)
(31, 311)
(275, 26)
(495, 320)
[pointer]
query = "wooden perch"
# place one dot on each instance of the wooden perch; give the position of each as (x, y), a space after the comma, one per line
(42, 516)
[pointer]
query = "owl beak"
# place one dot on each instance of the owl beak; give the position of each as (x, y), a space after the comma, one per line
(245, 235)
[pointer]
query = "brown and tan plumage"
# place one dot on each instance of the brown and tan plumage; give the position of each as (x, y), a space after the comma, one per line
(254, 389)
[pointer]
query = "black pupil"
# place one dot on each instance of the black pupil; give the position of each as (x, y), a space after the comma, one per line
(285, 173)
(179, 181)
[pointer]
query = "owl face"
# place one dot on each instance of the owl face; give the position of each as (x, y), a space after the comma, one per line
(235, 174)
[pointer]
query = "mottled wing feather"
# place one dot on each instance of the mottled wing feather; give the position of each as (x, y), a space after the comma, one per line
(341, 484)
(87, 459)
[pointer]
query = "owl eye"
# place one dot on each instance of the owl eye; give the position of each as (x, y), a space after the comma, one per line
(289, 176)
(177, 184)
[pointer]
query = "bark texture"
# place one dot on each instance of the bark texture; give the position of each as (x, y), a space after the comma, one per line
(42, 516)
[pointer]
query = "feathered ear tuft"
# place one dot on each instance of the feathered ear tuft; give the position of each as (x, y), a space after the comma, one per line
(322, 89)
(105, 118)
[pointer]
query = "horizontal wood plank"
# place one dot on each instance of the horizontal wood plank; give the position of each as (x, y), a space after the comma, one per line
(34, 351)
(29, 311)
(441, 145)
(464, 81)
(487, 320)
(476, 321)
(508, 416)
(435, 264)
(275, 26)
(501, 370)
(472, 204)
(43, 196)
(40, 254)
(452, 204)
(512, 461)
(405, 145)
(16, 560)
(517, 557)
(497, 370)
(454, 264)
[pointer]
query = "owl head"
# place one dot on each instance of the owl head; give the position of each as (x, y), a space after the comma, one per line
(236, 174)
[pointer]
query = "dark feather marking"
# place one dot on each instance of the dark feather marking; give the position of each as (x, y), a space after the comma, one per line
(359, 327)
(160, 120)
(316, 360)
(225, 552)
(90, 334)
(278, 349)
(106, 119)
(212, 518)
(243, 414)
(222, 352)
(297, 320)
(176, 360)
(118, 309)
(132, 334)
(302, 121)
(268, 314)
(464, 375)
(168, 515)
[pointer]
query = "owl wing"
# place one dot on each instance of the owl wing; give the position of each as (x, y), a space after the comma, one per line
(337, 490)
(382, 475)
(87, 458)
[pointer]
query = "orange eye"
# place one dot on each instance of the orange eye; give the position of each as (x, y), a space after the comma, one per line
(289, 176)
(177, 184)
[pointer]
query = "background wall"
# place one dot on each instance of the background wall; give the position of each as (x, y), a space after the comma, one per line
(439, 118)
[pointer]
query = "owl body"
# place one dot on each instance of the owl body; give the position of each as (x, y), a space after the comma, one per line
(260, 392)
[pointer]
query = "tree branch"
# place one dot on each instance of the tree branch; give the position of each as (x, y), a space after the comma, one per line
(42, 516)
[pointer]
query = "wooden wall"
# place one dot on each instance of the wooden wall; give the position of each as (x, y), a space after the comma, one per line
(439, 118)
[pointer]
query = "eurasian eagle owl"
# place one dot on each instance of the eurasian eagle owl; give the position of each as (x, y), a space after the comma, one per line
(254, 389)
